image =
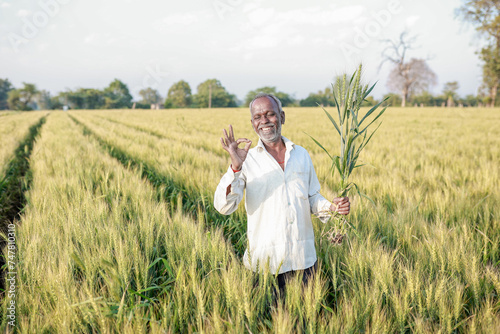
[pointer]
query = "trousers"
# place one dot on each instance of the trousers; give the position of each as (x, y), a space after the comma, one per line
(307, 274)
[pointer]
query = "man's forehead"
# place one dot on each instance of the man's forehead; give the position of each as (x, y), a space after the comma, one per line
(264, 103)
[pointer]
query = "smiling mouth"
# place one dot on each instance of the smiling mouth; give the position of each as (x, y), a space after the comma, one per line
(267, 128)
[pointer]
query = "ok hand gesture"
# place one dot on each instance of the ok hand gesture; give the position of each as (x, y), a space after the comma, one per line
(238, 155)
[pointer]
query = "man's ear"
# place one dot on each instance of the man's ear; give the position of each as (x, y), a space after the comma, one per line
(282, 117)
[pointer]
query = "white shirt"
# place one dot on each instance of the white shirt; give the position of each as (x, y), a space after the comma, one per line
(279, 204)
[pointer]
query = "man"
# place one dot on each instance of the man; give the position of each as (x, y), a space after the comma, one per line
(282, 190)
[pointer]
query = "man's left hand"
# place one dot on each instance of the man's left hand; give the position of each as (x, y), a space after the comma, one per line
(341, 205)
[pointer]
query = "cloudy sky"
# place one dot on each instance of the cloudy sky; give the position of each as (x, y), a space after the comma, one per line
(297, 46)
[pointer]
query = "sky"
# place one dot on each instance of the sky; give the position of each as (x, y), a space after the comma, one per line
(297, 46)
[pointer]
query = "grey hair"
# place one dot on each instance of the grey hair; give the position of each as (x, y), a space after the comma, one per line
(271, 96)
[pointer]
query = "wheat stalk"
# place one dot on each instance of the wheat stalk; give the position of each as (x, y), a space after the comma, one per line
(353, 134)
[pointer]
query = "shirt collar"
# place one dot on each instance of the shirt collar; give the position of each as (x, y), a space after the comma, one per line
(288, 144)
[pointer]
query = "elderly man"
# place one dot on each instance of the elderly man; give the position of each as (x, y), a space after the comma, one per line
(282, 190)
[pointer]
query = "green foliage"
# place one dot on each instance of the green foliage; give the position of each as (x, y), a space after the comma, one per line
(286, 100)
(392, 99)
(149, 96)
(117, 96)
(5, 87)
(16, 181)
(349, 95)
(44, 100)
(490, 55)
(22, 98)
(450, 93)
(450, 89)
(485, 15)
(425, 98)
(179, 95)
(212, 91)
(323, 98)
(82, 98)
(470, 101)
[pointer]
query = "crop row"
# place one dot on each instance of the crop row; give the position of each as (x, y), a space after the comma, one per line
(423, 248)
(171, 166)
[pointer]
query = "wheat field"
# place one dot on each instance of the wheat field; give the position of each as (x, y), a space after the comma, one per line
(118, 233)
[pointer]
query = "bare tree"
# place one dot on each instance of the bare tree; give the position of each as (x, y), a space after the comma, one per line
(410, 78)
(406, 77)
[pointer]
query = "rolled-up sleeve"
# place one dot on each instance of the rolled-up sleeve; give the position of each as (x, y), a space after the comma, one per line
(227, 204)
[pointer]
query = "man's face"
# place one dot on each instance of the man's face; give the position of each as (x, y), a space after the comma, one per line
(266, 119)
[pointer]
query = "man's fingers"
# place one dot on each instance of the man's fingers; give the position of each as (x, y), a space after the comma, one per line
(244, 140)
(247, 146)
(224, 146)
(339, 200)
(231, 132)
(341, 205)
(226, 135)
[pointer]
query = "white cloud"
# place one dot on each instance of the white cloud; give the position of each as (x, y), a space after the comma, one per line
(261, 16)
(90, 38)
(42, 47)
(267, 28)
(5, 5)
(180, 19)
(410, 21)
(316, 16)
(23, 12)
(296, 40)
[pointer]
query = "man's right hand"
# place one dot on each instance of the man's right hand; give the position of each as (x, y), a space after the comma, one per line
(238, 155)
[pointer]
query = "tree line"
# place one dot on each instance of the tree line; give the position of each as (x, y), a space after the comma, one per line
(210, 94)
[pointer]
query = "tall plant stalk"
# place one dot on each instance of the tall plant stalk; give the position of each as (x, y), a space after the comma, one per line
(353, 133)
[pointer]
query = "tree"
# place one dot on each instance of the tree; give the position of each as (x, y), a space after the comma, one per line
(424, 98)
(392, 99)
(117, 96)
(313, 99)
(450, 93)
(411, 78)
(179, 95)
(22, 98)
(149, 96)
(285, 99)
(485, 15)
(43, 100)
(91, 98)
(323, 98)
(491, 73)
(406, 77)
(211, 93)
(82, 98)
(369, 101)
(470, 101)
(5, 87)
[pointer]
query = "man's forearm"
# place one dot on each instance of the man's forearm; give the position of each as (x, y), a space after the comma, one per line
(229, 192)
